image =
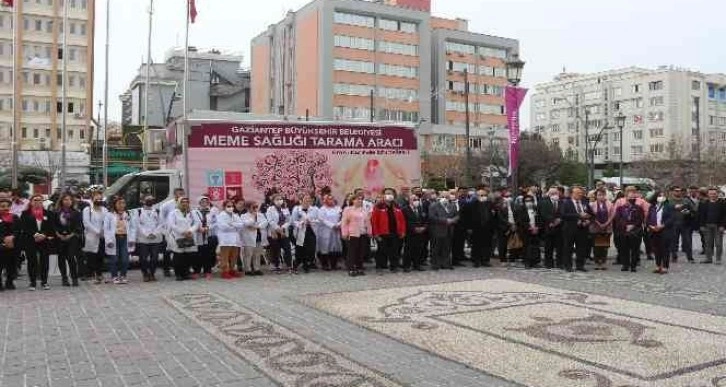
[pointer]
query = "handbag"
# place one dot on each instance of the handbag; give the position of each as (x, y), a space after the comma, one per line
(184, 243)
(514, 242)
(602, 240)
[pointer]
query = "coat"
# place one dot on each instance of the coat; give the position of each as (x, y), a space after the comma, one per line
(179, 223)
(29, 227)
(571, 218)
(355, 223)
(71, 226)
(228, 228)
(415, 218)
(299, 218)
(109, 232)
(276, 228)
(380, 223)
(594, 228)
(250, 228)
(93, 228)
(210, 218)
(550, 215)
(328, 234)
(668, 218)
(438, 219)
(479, 216)
(10, 229)
(149, 226)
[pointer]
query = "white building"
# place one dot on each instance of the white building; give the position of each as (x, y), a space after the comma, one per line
(666, 109)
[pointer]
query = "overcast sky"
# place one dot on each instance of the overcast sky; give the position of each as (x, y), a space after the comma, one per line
(581, 35)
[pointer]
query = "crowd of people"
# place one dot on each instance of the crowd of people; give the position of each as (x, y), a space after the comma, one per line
(409, 231)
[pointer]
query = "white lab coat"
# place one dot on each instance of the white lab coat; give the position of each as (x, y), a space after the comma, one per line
(211, 218)
(228, 227)
(177, 225)
(109, 232)
(274, 227)
(149, 226)
(249, 232)
(328, 231)
(299, 218)
(93, 228)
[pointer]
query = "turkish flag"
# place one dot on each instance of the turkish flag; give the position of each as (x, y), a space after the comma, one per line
(192, 10)
(7, 3)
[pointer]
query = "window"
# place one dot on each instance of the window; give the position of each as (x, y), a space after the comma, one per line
(592, 95)
(82, 134)
(657, 148)
(554, 114)
(636, 88)
(461, 66)
(637, 135)
(83, 29)
(39, 25)
(36, 106)
(70, 133)
(70, 107)
(657, 132)
(350, 89)
(616, 150)
(82, 82)
(695, 85)
(656, 101)
(617, 92)
(616, 136)
(354, 42)
(35, 133)
(460, 48)
(24, 104)
(655, 85)
(398, 48)
(59, 79)
(636, 150)
(639, 103)
(397, 71)
(36, 79)
(555, 128)
(655, 116)
(500, 72)
(26, 23)
(395, 25)
(60, 53)
(571, 126)
(47, 133)
(72, 54)
(354, 66)
(71, 81)
(399, 94)
(24, 132)
(353, 19)
(49, 26)
(493, 52)
(59, 107)
(539, 103)
(540, 116)
(348, 112)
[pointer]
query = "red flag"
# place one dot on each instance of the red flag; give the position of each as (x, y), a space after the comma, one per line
(192, 10)
(7, 3)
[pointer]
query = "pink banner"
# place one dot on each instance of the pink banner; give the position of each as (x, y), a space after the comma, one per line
(513, 97)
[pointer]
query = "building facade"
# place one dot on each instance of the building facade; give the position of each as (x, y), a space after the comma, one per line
(384, 61)
(38, 52)
(670, 113)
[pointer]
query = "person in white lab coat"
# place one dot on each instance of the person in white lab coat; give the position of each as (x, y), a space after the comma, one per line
(182, 226)
(94, 217)
(329, 243)
(305, 219)
(228, 227)
(205, 238)
(166, 209)
(254, 238)
(278, 218)
(150, 228)
(119, 233)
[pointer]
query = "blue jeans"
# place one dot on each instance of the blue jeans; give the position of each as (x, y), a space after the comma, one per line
(121, 259)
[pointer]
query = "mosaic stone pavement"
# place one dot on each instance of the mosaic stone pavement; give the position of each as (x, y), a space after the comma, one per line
(326, 329)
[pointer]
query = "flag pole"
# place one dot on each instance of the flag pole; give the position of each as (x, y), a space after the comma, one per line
(64, 99)
(147, 91)
(185, 133)
(13, 132)
(104, 149)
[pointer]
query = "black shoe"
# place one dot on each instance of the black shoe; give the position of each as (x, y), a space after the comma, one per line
(569, 269)
(633, 270)
(477, 265)
(486, 264)
(706, 261)
(450, 268)
(625, 268)
(74, 283)
(258, 272)
(394, 270)
(361, 272)
(9, 285)
(167, 273)
(406, 270)
(458, 264)
(419, 269)
(581, 270)
(180, 278)
(352, 273)
(65, 283)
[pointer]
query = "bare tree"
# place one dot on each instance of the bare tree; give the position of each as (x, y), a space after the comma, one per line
(444, 167)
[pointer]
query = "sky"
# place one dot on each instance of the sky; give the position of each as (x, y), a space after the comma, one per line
(579, 35)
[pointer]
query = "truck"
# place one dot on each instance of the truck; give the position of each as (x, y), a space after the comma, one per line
(239, 156)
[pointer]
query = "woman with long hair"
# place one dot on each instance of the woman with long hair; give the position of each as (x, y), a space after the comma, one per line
(38, 238)
(278, 218)
(120, 236)
(94, 217)
(601, 228)
(660, 226)
(305, 219)
(69, 229)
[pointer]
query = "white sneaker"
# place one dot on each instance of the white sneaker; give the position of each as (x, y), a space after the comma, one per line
(46, 287)
(31, 288)
(117, 281)
(123, 281)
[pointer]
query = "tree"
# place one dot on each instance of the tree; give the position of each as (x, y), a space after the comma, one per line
(572, 172)
(610, 171)
(442, 169)
(538, 162)
(674, 167)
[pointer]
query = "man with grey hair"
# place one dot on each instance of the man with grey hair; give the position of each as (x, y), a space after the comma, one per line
(551, 212)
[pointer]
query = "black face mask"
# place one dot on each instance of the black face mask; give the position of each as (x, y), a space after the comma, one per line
(97, 202)
(631, 201)
(149, 203)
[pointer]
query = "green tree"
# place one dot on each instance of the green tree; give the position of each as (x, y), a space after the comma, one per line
(572, 172)
(610, 171)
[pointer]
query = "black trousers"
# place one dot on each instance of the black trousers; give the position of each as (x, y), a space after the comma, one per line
(280, 251)
(305, 254)
(631, 250)
(388, 253)
(553, 247)
(68, 253)
(413, 255)
(355, 253)
(501, 236)
(9, 265)
(148, 256)
(576, 240)
(441, 252)
(182, 262)
(38, 263)
(532, 249)
(206, 257)
(481, 247)
(97, 261)
(166, 261)
(684, 234)
(458, 241)
(661, 248)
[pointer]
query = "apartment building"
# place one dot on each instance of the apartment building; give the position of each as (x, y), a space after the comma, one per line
(667, 111)
(38, 54)
(385, 61)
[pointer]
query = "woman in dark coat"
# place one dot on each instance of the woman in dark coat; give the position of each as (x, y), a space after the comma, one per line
(68, 228)
(9, 240)
(38, 234)
(660, 226)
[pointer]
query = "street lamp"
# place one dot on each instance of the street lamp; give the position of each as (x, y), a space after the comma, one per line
(514, 76)
(620, 121)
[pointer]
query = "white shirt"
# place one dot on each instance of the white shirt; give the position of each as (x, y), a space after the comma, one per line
(532, 217)
(659, 215)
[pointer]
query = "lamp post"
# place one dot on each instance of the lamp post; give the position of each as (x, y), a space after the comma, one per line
(467, 166)
(620, 121)
(514, 76)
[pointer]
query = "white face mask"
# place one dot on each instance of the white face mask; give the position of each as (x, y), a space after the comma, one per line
(229, 210)
(388, 197)
(555, 198)
(416, 203)
(483, 198)
(530, 205)
(452, 198)
(443, 200)
(661, 199)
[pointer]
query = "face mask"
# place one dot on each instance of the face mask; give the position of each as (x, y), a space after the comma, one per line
(472, 193)
(555, 198)
(388, 197)
(278, 202)
(416, 203)
(452, 198)
(530, 205)
(149, 203)
(631, 201)
(483, 198)
(97, 202)
(443, 200)
(229, 210)
(661, 199)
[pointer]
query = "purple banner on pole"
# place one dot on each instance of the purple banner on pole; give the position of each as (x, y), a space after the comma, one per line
(513, 97)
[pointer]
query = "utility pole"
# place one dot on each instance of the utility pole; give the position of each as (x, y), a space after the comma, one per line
(587, 146)
(467, 166)
(64, 99)
(620, 182)
(147, 89)
(94, 146)
(14, 130)
(373, 106)
(104, 148)
(697, 112)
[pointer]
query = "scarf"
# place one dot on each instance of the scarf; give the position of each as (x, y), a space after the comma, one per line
(602, 212)
(6, 217)
(64, 216)
(37, 214)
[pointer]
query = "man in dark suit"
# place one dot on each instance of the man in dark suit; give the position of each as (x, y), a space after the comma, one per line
(458, 241)
(479, 218)
(443, 215)
(38, 233)
(550, 209)
(712, 219)
(416, 227)
(576, 216)
(529, 226)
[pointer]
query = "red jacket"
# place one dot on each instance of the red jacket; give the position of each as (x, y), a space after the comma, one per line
(379, 221)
